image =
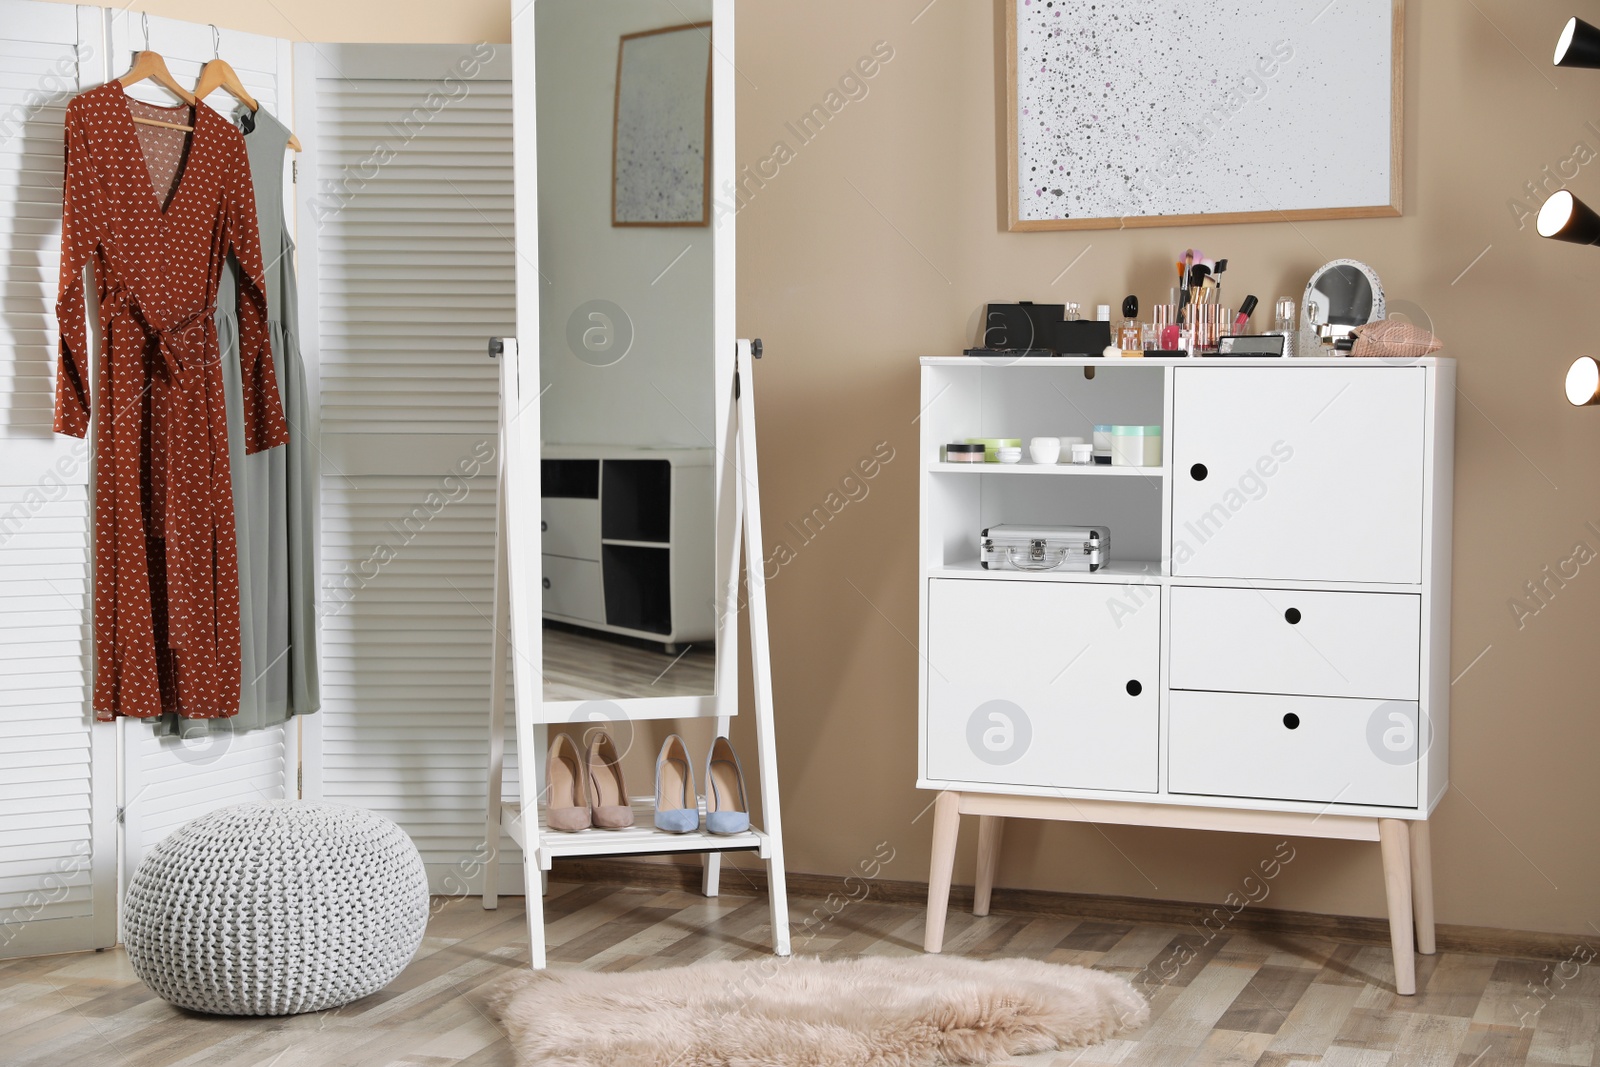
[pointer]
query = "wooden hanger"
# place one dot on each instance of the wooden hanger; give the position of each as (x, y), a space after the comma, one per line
(219, 74)
(148, 64)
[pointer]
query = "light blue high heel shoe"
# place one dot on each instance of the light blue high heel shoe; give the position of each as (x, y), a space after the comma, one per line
(677, 809)
(727, 810)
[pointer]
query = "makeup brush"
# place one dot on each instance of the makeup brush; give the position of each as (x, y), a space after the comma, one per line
(1216, 273)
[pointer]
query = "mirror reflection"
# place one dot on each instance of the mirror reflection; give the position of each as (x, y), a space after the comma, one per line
(1342, 295)
(628, 398)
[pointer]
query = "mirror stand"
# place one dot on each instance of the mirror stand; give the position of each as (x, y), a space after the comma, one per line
(514, 618)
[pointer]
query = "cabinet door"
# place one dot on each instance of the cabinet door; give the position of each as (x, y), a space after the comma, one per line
(1038, 684)
(1311, 473)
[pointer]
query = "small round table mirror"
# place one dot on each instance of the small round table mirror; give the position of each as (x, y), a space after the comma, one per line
(1340, 296)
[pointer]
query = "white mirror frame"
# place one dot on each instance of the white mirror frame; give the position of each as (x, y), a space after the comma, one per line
(521, 471)
(1378, 307)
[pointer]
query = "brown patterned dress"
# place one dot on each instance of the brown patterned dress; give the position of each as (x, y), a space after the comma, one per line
(156, 212)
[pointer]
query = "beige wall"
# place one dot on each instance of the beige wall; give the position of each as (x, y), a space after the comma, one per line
(878, 243)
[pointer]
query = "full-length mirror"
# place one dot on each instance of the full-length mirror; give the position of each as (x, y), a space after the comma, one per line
(629, 397)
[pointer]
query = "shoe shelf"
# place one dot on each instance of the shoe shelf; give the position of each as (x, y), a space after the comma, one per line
(640, 838)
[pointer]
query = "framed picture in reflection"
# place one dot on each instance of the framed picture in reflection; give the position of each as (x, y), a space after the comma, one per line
(661, 164)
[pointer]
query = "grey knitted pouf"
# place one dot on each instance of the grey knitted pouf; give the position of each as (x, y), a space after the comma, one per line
(276, 908)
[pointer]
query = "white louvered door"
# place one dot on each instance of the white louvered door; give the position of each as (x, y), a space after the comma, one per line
(57, 769)
(167, 782)
(407, 270)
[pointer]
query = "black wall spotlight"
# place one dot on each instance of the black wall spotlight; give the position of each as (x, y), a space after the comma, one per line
(1579, 45)
(1566, 218)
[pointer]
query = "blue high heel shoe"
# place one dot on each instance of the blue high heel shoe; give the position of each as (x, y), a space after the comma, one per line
(727, 810)
(677, 809)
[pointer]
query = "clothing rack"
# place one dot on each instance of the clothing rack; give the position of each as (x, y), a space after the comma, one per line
(517, 634)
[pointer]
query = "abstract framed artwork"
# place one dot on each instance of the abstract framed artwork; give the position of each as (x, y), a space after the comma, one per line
(661, 159)
(1151, 113)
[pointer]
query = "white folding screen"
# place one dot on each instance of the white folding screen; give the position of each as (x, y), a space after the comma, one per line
(64, 781)
(57, 770)
(406, 271)
(167, 782)
(403, 219)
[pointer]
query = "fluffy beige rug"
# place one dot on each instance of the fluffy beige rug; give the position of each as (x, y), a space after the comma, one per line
(922, 1010)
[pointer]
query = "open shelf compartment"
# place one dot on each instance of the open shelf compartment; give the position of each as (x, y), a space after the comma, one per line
(1040, 399)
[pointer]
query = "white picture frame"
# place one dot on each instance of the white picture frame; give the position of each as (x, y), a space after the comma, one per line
(1146, 113)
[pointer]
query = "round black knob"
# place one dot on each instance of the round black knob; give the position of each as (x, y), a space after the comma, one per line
(547, 583)
(1292, 721)
(1134, 688)
(1292, 616)
(1198, 472)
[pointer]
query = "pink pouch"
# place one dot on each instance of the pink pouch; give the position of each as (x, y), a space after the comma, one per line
(1394, 338)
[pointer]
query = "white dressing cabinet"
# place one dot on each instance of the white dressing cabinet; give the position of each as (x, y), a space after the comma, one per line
(1267, 650)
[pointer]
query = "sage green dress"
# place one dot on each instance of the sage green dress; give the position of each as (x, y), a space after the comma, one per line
(274, 492)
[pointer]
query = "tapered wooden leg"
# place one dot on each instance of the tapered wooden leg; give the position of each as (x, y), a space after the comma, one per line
(1422, 885)
(990, 829)
(1395, 841)
(946, 827)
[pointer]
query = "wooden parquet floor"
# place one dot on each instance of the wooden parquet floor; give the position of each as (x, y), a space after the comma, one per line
(1236, 999)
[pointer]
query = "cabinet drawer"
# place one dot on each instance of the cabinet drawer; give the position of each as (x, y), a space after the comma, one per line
(1293, 641)
(1318, 749)
(571, 527)
(572, 589)
(1030, 684)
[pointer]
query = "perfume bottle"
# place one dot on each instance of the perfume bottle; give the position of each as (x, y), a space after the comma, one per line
(1283, 323)
(1128, 335)
(1070, 312)
(1283, 316)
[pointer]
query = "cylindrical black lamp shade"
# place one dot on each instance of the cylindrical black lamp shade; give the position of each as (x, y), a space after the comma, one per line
(1583, 381)
(1578, 45)
(1566, 218)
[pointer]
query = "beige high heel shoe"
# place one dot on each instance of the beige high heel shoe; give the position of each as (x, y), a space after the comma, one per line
(608, 795)
(567, 796)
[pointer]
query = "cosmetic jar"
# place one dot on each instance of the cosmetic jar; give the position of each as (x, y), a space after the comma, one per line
(1066, 447)
(992, 444)
(1082, 454)
(1102, 444)
(1136, 446)
(1007, 454)
(1044, 449)
(963, 453)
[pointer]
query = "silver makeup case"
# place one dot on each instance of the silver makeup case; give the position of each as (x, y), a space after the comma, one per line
(1044, 548)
